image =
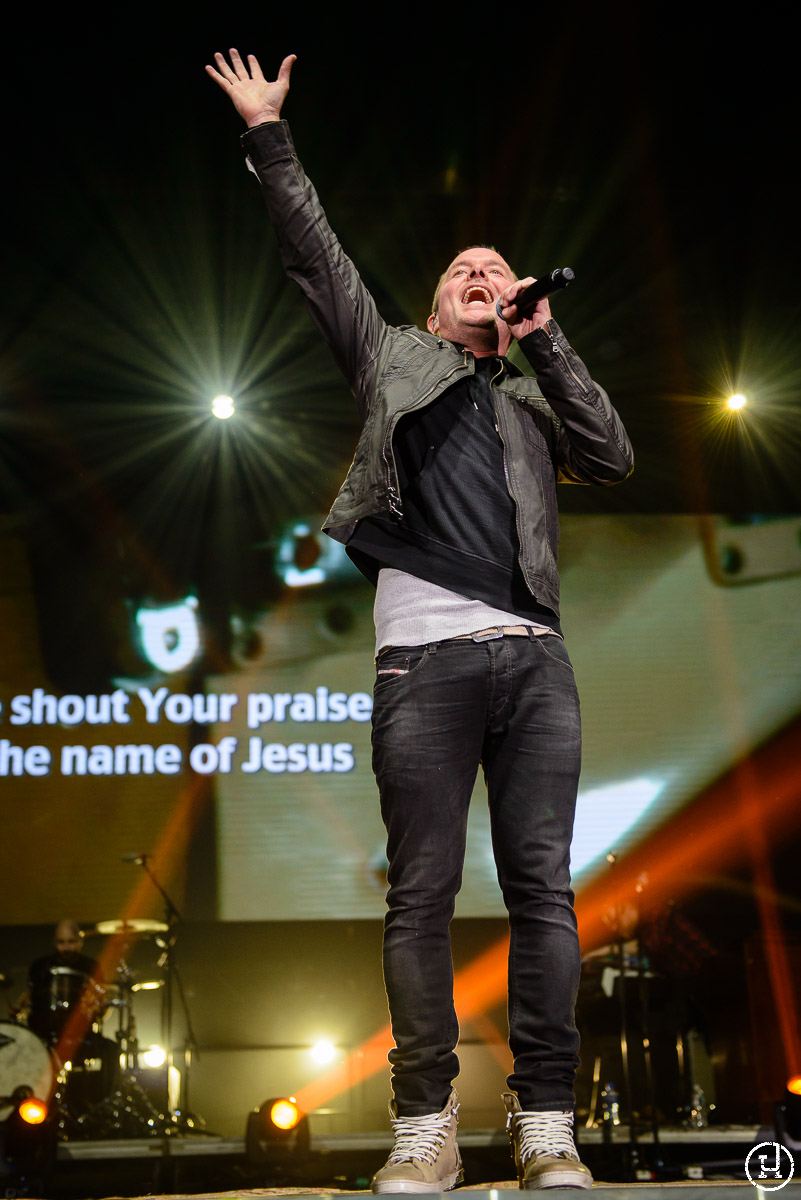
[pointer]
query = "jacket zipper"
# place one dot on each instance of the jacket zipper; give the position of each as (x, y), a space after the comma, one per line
(556, 349)
(395, 506)
(510, 488)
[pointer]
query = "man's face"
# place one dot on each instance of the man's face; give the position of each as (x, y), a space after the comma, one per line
(467, 298)
(67, 940)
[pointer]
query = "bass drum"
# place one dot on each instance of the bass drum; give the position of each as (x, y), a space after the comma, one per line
(25, 1061)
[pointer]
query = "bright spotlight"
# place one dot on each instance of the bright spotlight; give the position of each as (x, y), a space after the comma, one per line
(154, 1056)
(33, 1111)
(28, 1135)
(277, 1132)
(323, 1052)
(737, 401)
(223, 407)
(787, 1115)
(285, 1113)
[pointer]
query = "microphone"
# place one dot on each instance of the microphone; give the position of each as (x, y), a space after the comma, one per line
(539, 289)
(135, 858)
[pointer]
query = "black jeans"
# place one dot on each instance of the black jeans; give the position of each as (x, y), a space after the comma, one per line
(439, 710)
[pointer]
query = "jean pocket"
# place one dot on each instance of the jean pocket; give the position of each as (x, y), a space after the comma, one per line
(399, 661)
(553, 647)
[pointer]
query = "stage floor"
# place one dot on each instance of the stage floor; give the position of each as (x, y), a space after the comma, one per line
(711, 1159)
(720, 1190)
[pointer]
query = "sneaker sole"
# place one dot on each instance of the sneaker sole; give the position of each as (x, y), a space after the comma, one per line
(558, 1179)
(409, 1186)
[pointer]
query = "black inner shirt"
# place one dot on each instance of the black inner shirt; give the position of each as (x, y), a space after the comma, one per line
(458, 527)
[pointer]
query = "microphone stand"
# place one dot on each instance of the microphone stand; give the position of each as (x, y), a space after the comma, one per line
(173, 918)
(628, 1107)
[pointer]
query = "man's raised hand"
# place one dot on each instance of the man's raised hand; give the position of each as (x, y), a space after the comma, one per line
(255, 98)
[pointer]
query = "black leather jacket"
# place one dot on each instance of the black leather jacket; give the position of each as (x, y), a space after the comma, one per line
(574, 435)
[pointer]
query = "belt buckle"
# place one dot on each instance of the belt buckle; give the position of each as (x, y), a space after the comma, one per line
(489, 635)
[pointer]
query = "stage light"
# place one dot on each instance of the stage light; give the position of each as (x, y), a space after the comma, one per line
(736, 402)
(277, 1132)
(154, 1056)
(28, 1135)
(32, 1111)
(285, 1114)
(223, 407)
(323, 1052)
(787, 1115)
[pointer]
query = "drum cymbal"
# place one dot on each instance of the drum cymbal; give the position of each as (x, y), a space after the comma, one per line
(133, 925)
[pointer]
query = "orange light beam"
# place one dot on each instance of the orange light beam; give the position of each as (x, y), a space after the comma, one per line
(493, 1039)
(167, 852)
(477, 987)
(711, 831)
(715, 829)
(778, 967)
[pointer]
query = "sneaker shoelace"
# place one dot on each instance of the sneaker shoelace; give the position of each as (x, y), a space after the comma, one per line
(421, 1137)
(545, 1134)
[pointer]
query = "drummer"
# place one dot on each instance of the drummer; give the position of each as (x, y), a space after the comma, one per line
(62, 984)
(63, 1004)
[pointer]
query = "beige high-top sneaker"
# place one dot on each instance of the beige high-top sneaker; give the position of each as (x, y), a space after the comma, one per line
(544, 1149)
(425, 1157)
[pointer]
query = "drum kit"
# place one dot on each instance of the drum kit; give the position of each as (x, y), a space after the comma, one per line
(96, 1092)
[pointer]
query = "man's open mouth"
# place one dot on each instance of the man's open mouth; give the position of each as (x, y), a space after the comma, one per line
(476, 294)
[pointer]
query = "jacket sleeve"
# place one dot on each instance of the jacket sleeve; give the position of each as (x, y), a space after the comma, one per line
(338, 302)
(592, 445)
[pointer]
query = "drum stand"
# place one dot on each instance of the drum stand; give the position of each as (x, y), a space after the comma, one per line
(128, 1111)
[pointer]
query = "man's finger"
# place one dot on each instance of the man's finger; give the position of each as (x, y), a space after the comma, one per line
(238, 65)
(216, 76)
(255, 68)
(520, 285)
(508, 297)
(286, 69)
(223, 68)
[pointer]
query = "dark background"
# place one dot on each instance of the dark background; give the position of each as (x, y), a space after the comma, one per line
(650, 147)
